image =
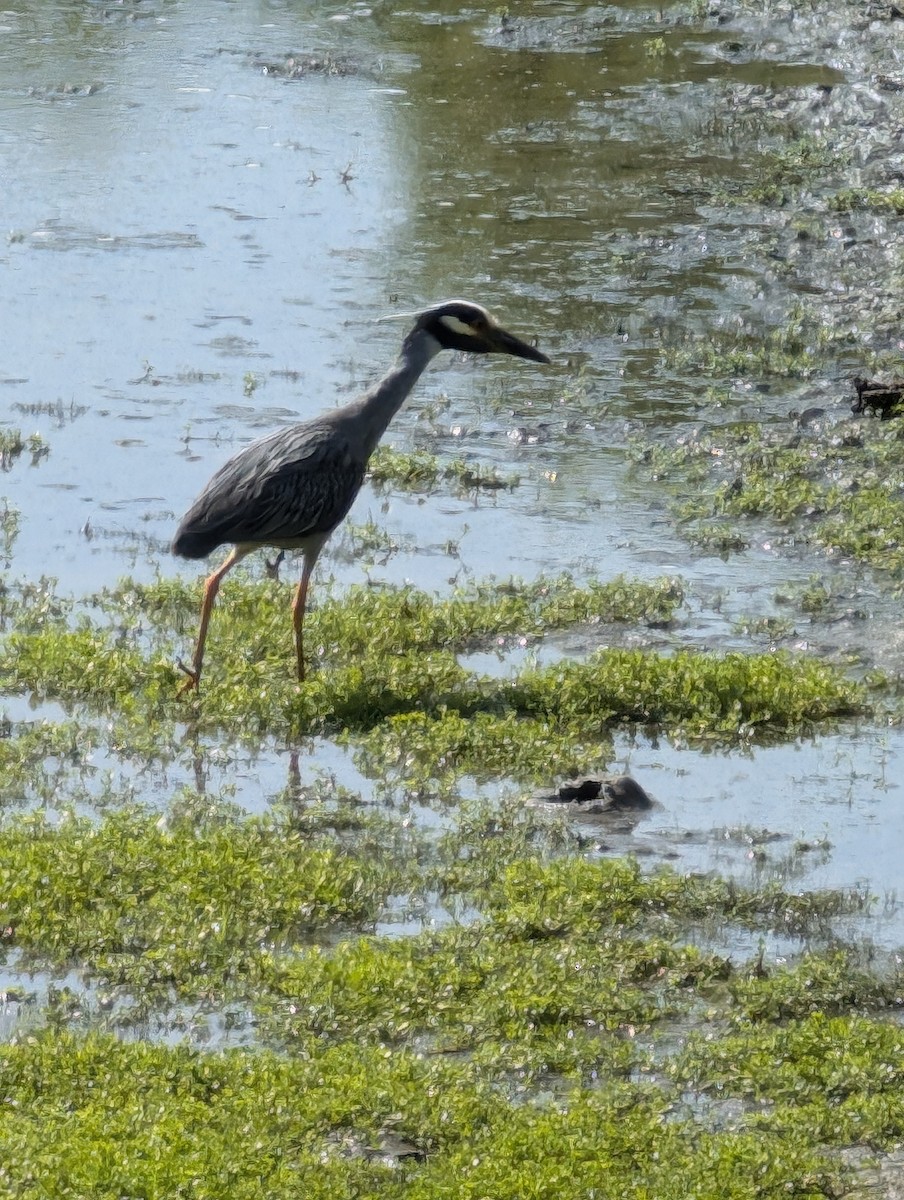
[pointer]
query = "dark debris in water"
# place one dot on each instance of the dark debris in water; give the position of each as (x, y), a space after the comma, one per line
(601, 794)
(884, 12)
(300, 66)
(64, 91)
(875, 396)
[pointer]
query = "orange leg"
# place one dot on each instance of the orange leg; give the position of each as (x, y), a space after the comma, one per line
(298, 607)
(211, 587)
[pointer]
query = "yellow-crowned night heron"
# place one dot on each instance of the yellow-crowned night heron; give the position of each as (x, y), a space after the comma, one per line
(292, 488)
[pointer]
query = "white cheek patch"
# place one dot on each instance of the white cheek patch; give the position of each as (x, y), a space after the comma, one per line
(455, 326)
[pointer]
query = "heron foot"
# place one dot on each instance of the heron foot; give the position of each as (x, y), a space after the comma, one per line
(194, 678)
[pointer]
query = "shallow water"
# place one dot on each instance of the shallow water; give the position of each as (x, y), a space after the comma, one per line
(198, 247)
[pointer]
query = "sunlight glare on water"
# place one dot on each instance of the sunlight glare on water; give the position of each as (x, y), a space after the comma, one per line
(178, 219)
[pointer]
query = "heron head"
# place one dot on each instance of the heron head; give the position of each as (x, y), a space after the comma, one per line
(461, 325)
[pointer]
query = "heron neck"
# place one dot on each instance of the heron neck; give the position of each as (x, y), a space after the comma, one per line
(381, 403)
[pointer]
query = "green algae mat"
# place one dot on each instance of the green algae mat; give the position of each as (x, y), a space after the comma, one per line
(204, 1002)
(568, 1039)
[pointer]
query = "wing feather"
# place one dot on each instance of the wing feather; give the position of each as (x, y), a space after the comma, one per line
(293, 484)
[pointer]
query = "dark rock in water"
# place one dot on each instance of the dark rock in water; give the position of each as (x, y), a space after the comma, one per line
(626, 795)
(604, 794)
(874, 396)
(809, 416)
(579, 789)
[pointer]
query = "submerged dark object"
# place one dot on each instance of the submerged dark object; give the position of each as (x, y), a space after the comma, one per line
(882, 398)
(601, 794)
(299, 66)
(291, 489)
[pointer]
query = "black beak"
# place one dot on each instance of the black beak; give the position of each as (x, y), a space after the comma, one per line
(507, 343)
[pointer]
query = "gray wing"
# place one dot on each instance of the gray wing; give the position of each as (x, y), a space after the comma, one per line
(292, 484)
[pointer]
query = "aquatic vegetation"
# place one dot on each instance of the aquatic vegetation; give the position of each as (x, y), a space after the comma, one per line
(392, 685)
(871, 199)
(403, 1062)
(421, 471)
(656, 48)
(570, 895)
(352, 1120)
(794, 164)
(833, 1080)
(771, 629)
(13, 444)
(513, 1002)
(717, 538)
(837, 487)
(726, 693)
(558, 720)
(10, 519)
(157, 903)
(36, 756)
(371, 540)
(832, 983)
(372, 642)
(29, 605)
(793, 350)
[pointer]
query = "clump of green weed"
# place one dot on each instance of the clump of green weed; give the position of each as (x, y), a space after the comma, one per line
(837, 488)
(870, 199)
(560, 719)
(793, 350)
(117, 1118)
(833, 1080)
(36, 756)
(385, 675)
(421, 471)
(152, 903)
(13, 444)
(832, 983)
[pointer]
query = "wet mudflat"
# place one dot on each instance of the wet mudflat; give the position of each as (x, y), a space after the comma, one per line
(675, 553)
